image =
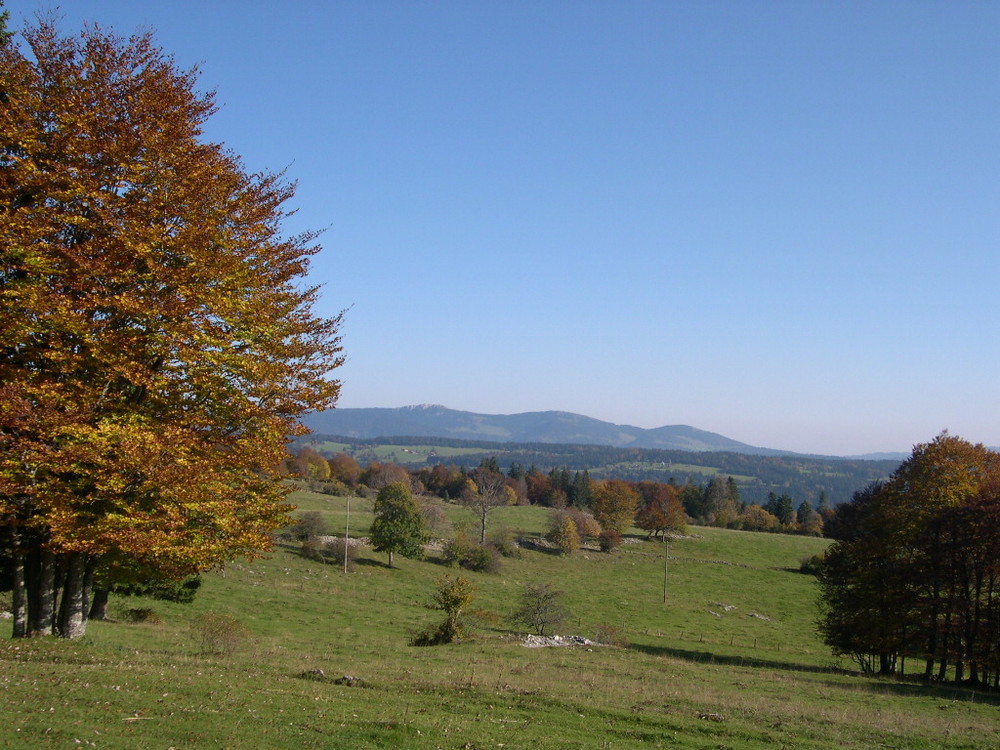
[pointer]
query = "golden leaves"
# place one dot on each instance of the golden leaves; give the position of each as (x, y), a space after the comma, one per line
(156, 343)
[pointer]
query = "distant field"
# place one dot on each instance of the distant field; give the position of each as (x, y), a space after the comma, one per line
(731, 660)
(399, 454)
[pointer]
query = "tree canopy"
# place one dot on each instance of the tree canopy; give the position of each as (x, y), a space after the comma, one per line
(915, 570)
(157, 344)
(398, 525)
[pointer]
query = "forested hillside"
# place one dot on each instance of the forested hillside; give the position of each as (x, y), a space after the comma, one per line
(804, 478)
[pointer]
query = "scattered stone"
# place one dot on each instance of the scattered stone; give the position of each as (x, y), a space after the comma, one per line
(350, 681)
(548, 641)
(760, 617)
(712, 717)
(724, 607)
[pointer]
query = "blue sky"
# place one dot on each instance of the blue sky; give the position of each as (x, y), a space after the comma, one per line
(773, 220)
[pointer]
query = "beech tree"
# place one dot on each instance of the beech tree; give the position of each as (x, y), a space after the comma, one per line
(615, 504)
(914, 571)
(661, 509)
(157, 343)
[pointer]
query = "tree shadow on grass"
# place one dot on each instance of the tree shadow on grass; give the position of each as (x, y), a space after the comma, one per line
(709, 657)
(902, 686)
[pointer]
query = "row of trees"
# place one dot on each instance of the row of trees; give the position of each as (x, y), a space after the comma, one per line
(715, 504)
(915, 570)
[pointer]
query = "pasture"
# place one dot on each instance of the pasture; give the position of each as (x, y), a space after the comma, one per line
(731, 660)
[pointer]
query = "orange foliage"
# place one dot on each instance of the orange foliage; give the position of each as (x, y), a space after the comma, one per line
(156, 342)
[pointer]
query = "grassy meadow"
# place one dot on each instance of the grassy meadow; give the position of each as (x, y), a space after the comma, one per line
(731, 660)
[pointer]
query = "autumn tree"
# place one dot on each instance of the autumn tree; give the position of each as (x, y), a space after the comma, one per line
(615, 504)
(488, 492)
(914, 569)
(563, 532)
(157, 339)
(345, 469)
(661, 510)
(398, 525)
(377, 475)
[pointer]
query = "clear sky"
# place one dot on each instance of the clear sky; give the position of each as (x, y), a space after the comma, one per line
(776, 220)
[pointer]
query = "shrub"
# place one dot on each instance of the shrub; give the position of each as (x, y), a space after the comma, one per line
(465, 553)
(334, 551)
(452, 597)
(309, 526)
(587, 526)
(455, 550)
(220, 634)
(434, 517)
(541, 608)
(502, 540)
(610, 540)
(482, 559)
(562, 533)
(312, 549)
(811, 565)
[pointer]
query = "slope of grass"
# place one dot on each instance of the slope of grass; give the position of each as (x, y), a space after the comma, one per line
(730, 661)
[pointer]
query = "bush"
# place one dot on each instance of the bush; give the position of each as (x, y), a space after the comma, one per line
(502, 540)
(334, 551)
(312, 549)
(465, 553)
(587, 526)
(455, 550)
(220, 634)
(811, 565)
(562, 533)
(482, 559)
(310, 525)
(610, 540)
(541, 608)
(452, 597)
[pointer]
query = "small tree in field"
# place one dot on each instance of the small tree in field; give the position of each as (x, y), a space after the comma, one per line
(453, 596)
(398, 525)
(541, 608)
(489, 491)
(562, 532)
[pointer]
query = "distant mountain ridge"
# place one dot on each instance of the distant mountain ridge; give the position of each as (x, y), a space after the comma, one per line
(433, 420)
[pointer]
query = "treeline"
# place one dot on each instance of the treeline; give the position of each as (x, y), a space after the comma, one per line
(915, 571)
(802, 477)
(716, 503)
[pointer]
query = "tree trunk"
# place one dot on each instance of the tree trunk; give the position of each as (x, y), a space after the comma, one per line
(19, 603)
(41, 584)
(73, 612)
(99, 604)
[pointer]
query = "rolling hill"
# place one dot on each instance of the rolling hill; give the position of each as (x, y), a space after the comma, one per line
(530, 427)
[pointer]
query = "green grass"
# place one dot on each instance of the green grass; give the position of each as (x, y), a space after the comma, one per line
(392, 453)
(688, 678)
